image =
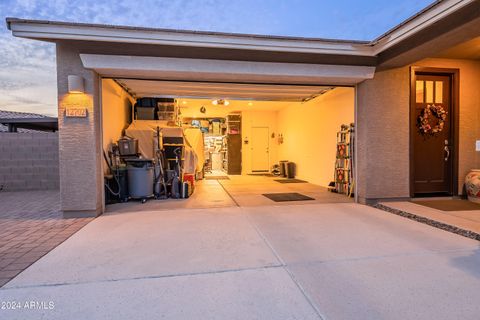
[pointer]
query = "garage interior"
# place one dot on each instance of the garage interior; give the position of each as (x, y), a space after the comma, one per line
(226, 144)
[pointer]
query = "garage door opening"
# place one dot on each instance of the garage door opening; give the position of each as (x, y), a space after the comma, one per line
(228, 143)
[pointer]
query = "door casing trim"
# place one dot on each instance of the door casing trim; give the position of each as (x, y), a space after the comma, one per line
(454, 75)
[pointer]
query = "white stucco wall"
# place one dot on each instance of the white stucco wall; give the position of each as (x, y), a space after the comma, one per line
(309, 132)
(116, 112)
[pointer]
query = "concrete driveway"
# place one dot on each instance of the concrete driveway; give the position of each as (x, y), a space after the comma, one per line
(320, 261)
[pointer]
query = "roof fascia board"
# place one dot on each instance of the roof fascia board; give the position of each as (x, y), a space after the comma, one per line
(418, 23)
(45, 31)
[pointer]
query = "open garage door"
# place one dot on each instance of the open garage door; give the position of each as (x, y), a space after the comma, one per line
(225, 90)
(252, 115)
(247, 130)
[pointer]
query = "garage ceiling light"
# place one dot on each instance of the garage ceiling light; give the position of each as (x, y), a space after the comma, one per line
(220, 102)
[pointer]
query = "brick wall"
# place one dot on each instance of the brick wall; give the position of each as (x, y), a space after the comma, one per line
(29, 161)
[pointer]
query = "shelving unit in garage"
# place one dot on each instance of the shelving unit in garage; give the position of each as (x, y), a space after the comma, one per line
(234, 144)
(344, 165)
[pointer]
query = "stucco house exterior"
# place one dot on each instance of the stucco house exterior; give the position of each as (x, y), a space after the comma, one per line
(432, 58)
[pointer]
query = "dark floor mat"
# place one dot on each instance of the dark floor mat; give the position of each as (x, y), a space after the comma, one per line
(290, 181)
(281, 197)
(449, 205)
(261, 174)
(217, 178)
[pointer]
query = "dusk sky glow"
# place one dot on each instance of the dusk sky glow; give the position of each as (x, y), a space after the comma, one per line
(27, 67)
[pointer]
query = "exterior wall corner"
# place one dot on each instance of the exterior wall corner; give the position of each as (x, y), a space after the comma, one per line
(80, 152)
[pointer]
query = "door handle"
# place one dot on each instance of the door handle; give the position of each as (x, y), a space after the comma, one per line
(447, 150)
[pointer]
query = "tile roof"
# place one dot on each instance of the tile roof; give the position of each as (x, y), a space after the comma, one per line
(18, 115)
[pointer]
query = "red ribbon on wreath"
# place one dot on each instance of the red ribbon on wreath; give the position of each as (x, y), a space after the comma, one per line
(424, 122)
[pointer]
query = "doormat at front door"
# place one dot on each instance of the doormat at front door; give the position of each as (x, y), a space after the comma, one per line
(282, 197)
(449, 205)
(290, 181)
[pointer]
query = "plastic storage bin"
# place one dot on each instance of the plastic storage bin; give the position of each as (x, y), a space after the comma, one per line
(140, 179)
(128, 146)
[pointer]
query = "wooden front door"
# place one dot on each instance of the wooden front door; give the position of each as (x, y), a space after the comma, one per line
(432, 137)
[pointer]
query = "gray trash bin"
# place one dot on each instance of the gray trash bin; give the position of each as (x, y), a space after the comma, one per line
(290, 170)
(283, 168)
(140, 178)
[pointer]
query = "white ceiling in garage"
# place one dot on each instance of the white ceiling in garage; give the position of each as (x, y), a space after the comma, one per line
(216, 90)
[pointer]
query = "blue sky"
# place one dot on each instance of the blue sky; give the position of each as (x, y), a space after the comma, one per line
(27, 68)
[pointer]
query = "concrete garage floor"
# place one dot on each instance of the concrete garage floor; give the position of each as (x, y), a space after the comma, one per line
(314, 261)
(208, 194)
(244, 191)
(247, 191)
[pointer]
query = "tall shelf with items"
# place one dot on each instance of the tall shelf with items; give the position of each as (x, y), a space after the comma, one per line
(344, 163)
(234, 144)
(224, 152)
(167, 109)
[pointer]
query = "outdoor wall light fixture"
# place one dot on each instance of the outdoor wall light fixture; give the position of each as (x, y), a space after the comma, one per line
(75, 84)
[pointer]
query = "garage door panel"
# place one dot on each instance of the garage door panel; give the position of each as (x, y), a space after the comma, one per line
(142, 88)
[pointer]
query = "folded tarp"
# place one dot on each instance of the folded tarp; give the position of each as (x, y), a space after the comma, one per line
(194, 137)
(145, 132)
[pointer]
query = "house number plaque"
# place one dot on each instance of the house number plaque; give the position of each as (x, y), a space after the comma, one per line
(76, 112)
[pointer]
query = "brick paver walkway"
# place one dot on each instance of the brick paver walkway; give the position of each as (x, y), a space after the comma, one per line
(31, 225)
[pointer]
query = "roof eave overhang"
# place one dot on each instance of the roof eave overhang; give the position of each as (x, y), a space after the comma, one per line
(425, 19)
(383, 51)
(438, 35)
(42, 124)
(41, 30)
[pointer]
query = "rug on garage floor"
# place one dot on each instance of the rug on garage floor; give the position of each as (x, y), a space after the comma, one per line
(290, 181)
(281, 197)
(449, 205)
(217, 178)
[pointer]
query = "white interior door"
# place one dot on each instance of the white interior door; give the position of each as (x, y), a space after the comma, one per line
(260, 149)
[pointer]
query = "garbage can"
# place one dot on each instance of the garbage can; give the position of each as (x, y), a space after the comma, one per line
(283, 168)
(290, 170)
(140, 178)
